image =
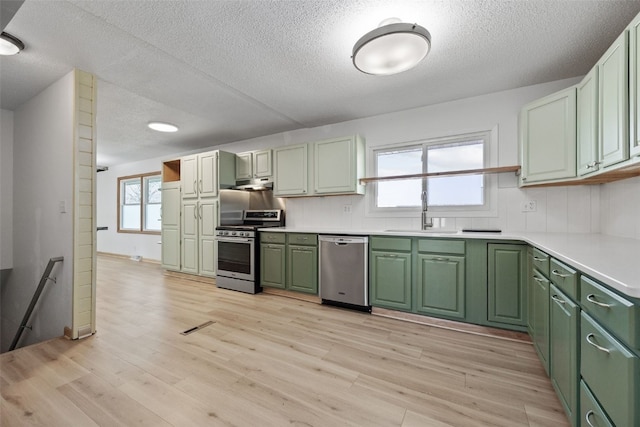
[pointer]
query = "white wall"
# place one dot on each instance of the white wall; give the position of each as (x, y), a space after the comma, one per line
(564, 209)
(110, 241)
(6, 189)
(575, 209)
(43, 177)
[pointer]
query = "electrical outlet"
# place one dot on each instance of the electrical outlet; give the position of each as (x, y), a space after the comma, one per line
(529, 206)
(346, 209)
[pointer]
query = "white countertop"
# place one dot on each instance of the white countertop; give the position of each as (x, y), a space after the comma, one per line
(615, 261)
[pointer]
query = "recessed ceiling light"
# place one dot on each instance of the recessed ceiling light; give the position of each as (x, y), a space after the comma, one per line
(163, 127)
(10, 45)
(391, 48)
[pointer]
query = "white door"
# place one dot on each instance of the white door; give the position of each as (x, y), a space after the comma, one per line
(171, 225)
(190, 237)
(208, 181)
(208, 220)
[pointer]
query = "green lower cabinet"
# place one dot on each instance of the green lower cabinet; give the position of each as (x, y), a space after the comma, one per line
(591, 413)
(390, 280)
(611, 372)
(302, 269)
(507, 279)
(564, 317)
(441, 285)
(540, 337)
(272, 265)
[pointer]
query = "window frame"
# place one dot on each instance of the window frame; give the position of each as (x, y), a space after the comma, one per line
(488, 209)
(143, 202)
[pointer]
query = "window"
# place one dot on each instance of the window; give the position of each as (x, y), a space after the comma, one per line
(444, 194)
(139, 203)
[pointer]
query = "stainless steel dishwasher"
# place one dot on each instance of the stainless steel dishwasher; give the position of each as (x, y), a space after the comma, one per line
(343, 270)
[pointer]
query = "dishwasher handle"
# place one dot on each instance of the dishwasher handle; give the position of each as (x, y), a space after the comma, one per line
(344, 240)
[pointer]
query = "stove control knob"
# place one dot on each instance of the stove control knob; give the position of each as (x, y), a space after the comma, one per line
(233, 233)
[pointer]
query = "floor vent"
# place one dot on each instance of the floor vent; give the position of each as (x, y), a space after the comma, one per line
(197, 328)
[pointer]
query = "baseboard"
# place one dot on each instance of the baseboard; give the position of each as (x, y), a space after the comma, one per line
(121, 256)
(453, 325)
(191, 277)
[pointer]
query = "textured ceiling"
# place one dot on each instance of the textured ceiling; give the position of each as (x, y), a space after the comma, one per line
(230, 70)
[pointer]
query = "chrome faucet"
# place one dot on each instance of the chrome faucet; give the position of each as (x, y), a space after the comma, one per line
(427, 222)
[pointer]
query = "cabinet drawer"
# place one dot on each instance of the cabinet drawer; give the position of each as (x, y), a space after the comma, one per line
(611, 371)
(390, 243)
(617, 314)
(591, 414)
(273, 238)
(303, 239)
(565, 278)
(541, 262)
(441, 246)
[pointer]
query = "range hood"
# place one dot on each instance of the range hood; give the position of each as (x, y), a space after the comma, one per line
(257, 184)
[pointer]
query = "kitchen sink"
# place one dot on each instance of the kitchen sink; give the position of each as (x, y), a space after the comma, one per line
(431, 231)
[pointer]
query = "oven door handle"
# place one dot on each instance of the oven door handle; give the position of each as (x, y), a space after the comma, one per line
(234, 239)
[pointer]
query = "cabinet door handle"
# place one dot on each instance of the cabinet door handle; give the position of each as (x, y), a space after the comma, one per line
(587, 418)
(592, 299)
(195, 213)
(539, 280)
(599, 347)
(200, 212)
(557, 273)
(556, 299)
(195, 186)
(200, 186)
(392, 255)
(539, 259)
(441, 259)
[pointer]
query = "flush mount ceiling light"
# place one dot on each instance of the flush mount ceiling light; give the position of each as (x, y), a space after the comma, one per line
(391, 48)
(10, 45)
(163, 127)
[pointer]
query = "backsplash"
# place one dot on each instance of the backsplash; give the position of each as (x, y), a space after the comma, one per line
(620, 208)
(574, 209)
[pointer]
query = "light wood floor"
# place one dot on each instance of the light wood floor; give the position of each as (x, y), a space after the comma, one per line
(265, 361)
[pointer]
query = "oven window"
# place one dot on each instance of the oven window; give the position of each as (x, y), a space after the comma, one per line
(234, 257)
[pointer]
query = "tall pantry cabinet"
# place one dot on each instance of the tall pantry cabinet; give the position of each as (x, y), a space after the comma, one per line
(201, 176)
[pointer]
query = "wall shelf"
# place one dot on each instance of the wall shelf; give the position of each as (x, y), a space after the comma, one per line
(501, 169)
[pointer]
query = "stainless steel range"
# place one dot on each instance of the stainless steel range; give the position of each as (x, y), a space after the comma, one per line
(239, 251)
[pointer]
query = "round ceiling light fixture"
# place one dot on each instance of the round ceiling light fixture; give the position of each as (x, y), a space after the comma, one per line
(10, 45)
(391, 48)
(162, 127)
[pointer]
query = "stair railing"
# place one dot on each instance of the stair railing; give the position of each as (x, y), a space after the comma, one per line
(34, 300)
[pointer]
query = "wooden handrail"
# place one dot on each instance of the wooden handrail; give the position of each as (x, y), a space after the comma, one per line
(500, 169)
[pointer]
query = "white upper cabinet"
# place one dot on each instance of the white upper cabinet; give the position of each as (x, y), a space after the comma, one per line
(588, 153)
(548, 138)
(338, 166)
(262, 164)
(613, 102)
(204, 174)
(244, 166)
(634, 87)
(291, 171)
(254, 164)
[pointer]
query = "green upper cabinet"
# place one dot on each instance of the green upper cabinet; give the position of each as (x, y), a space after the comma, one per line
(507, 279)
(441, 285)
(254, 164)
(338, 165)
(291, 171)
(613, 101)
(548, 138)
(588, 153)
(634, 86)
